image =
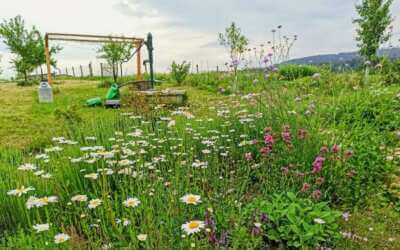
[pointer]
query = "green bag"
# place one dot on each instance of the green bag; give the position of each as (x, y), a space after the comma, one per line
(113, 92)
(94, 102)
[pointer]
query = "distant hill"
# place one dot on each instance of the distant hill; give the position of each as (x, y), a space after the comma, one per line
(350, 58)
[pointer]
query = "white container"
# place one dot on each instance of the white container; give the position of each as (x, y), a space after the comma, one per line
(45, 93)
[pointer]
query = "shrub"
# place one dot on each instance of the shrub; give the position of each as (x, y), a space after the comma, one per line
(390, 71)
(292, 221)
(179, 72)
(24, 83)
(292, 72)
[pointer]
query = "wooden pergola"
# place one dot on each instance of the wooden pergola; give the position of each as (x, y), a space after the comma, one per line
(138, 43)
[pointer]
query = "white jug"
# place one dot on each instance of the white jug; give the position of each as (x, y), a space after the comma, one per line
(45, 93)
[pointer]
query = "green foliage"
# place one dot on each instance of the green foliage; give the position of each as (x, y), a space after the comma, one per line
(106, 83)
(292, 71)
(373, 21)
(27, 45)
(236, 42)
(116, 54)
(29, 82)
(179, 72)
(390, 71)
(294, 222)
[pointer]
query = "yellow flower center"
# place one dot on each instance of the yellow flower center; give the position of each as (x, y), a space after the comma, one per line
(193, 225)
(192, 200)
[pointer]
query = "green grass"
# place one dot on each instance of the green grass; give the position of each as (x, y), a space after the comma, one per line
(337, 109)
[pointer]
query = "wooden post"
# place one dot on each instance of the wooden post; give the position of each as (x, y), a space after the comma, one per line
(101, 70)
(73, 71)
(217, 69)
(47, 54)
(197, 68)
(81, 70)
(66, 71)
(138, 61)
(90, 70)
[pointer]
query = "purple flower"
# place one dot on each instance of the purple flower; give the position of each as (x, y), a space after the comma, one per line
(317, 164)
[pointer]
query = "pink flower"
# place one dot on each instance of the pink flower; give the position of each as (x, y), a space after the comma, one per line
(301, 134)
(317, 164)
(316, 195)
(305, 187)
(285, 171)
(268, 139)
(335, 148)
(248, 156)
(348, 153)
(324, 149)
(286, 136)
(265, 151)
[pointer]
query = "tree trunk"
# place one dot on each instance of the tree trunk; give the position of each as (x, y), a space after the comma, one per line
(115, 72)
(41, 73)
(25, 76)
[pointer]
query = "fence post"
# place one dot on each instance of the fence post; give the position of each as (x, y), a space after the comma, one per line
(66, 71)
(217, 69)
(197, 68)
(90, 69)
(81, 70)
(73, 71)
(101, 70)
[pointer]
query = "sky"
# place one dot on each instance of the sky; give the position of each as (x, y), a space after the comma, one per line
(188, 29)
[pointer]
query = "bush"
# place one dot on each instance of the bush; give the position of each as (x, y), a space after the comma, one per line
(23, 83)
(179, 72)
(390, 71)
(291, 221)
(292, 72)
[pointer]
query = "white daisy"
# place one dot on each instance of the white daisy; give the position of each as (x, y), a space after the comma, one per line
(191, 199)
(131, 202)
(94, 203)
(319, 221)
(20, 191)
(142, 237)
(192, 227)
(27, 167)
(60, 238)
(92, 176)
(79, 198)
(41, 227)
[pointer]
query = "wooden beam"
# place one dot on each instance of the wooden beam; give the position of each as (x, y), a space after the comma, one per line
(47, 54)
(138, 61)
(95, 36)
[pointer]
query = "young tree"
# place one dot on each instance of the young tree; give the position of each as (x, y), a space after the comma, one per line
(179, 72)
(373, 22)
(236, 42)
(26, 45)
(115, 54)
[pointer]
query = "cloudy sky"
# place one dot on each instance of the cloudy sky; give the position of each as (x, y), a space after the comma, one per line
(188, 29)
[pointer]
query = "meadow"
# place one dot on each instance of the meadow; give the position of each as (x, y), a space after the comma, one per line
(295, 161)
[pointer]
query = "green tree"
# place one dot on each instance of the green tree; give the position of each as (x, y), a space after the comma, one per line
(26, 45)
(373, 22)
(115, 54)
(179, 72)
(236, 42)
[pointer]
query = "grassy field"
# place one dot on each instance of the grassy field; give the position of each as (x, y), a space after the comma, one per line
(206, 149)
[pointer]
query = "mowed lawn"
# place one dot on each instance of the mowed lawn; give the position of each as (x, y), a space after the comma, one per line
(26, 124)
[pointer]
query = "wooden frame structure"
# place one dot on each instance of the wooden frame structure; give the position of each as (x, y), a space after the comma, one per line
(138, 43)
